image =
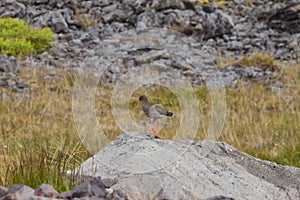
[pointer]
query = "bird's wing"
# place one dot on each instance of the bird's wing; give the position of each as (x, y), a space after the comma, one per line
(157, 111)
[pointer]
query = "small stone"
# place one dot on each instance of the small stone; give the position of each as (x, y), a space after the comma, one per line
(3, 190)
(109, 8)
(41, 1)
(5, 97)
(46, 190)
(20, 190)
(236, 45)
(59, 24)
(93, 187)
(220, 197)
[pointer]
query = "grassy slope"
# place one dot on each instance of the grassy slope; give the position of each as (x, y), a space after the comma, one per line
(39, 141)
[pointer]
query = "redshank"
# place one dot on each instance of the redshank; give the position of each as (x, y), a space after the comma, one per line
(153, 111)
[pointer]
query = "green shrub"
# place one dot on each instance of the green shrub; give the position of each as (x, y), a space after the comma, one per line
(19, 39)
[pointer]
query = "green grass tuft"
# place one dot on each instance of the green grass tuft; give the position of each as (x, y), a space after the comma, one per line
(289, 156)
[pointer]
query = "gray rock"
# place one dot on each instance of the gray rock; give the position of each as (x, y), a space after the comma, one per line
(39, 198)
(217, 24)
(236, 46)
(174, 4)
(116, 15)
(151, 56)
(282, 54)
(3, 190)
(148, 168)
(58, 23)
(286, 19)
(46, 190)
(19, 191)
(3, 82)
(220, 198)
(109, 8)
(148, 19)
(5, 97)
(41, 1)
(94, 187)
(8, 64)
(60, 50)
(20, 9)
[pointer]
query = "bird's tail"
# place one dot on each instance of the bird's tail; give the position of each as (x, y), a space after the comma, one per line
(169, 114)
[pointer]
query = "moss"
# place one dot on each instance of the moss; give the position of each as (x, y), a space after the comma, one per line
(19, 39)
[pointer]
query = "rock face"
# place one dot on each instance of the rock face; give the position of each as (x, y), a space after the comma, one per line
(148, 168)
(286, 19)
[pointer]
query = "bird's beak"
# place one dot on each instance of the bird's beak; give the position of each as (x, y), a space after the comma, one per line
(137, 101)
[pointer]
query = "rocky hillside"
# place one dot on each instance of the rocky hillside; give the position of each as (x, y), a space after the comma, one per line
(210, 31)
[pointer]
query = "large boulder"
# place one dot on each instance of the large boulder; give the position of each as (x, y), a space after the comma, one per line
(148, 168)
(286, 19)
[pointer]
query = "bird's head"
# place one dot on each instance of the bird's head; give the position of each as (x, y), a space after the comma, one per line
(142, 98)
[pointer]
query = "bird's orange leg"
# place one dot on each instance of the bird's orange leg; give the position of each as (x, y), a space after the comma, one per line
(156, 125)
(153, 130)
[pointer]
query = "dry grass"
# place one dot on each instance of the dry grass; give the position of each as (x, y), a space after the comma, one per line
(85, 20)
(37, 132)
(220, 2)
(257, 59)
(38, 138)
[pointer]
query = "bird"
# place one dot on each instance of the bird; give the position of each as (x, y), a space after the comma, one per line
(153, 111)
